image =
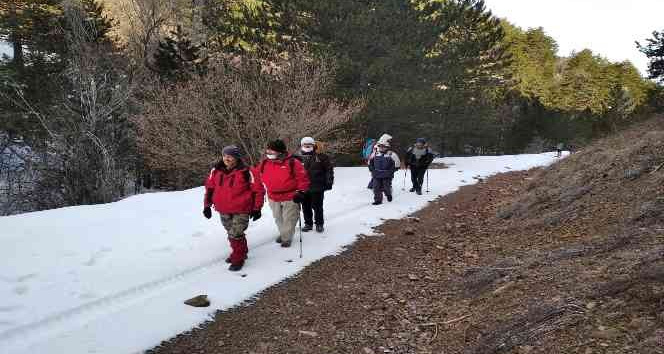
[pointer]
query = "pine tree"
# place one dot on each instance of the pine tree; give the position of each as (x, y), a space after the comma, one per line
(654, 50)
(38, 33)
(177, 58)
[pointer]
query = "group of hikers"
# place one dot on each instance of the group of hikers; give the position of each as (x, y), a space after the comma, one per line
(293, 182)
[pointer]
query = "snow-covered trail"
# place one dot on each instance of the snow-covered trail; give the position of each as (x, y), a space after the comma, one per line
(111, 278)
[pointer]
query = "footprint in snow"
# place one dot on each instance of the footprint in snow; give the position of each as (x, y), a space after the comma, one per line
(198, 234)
(21, 290)
(6, 323)
(97, 256)
(87, 296)
(6, 309)
(19, 279)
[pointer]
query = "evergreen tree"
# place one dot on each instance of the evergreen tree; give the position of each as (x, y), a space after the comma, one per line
(654, 50)
(38, 32)
(533, 62)
(177, 58)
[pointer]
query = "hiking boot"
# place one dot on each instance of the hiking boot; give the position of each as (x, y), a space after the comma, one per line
(412, 190)
(307, 228)
(235, 267)
(419, 192)
(376, 203)
(320, 228)
(278, 239)
(285, 244)
(389, 198)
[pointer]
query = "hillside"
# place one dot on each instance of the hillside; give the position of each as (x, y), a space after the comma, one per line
(564, 259)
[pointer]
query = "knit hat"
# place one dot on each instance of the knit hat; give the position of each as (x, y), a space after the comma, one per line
(307, 140)
(278, 146)
(421, 140)
(232, 150)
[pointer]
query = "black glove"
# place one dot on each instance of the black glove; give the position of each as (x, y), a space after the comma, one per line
(255, 215)
(298, 197)
(207, 212)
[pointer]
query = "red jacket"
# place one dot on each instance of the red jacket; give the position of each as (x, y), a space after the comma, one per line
(236, 191)
(283, 178)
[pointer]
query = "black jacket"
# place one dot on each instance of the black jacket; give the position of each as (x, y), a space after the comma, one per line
(320, 169)
(422, 162)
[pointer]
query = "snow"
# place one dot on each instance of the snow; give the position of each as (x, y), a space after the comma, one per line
(112, 278)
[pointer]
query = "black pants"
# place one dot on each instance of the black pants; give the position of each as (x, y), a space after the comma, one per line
(380, 186)
(313, 205)
(417, 177)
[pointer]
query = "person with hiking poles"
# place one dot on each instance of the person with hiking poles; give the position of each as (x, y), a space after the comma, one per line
(383, 164)
(385, 139)
(418, 159)
(286, 181)
(237, 193)
(321, 177)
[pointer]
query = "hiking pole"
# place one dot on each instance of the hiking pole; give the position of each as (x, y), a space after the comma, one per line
(299, 222)
(405, 171)
(427, 180)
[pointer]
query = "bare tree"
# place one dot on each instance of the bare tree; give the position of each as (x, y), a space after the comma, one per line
(245, 101)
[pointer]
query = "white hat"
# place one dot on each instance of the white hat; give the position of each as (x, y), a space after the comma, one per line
(307, 140)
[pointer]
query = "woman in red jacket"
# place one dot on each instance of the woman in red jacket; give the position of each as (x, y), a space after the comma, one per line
(237, 193)
(285, 180)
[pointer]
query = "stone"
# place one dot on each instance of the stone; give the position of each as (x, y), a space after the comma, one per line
(198, 301)
(309, 333)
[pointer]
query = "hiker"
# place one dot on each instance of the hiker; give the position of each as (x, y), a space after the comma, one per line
(382, 165)
(384, 139)
(559, 149)
(237, 193)
(418, 159)
(286, 181)
(321, 177)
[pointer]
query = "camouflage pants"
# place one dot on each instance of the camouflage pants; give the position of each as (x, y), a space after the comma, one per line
(235, 224)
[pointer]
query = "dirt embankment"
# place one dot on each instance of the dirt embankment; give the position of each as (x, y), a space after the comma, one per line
(567, 259)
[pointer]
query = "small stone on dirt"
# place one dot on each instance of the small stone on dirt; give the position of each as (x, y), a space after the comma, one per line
(409, 231)
(309, 333)
(413, 277)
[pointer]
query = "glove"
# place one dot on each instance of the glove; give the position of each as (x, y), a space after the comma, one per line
(328, 187)
(255, 215)
(207, 212)
(298, 197)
